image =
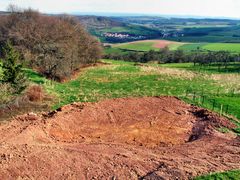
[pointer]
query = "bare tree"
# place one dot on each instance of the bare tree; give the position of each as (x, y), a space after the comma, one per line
(56, 46)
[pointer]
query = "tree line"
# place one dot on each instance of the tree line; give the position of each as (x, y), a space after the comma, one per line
(223, 58)
(55, 46)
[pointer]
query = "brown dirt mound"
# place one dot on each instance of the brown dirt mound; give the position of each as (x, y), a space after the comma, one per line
(135, 138)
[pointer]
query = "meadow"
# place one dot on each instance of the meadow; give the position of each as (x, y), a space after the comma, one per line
(118, 79)
(233, 67)
(235, 174)
(143, 46)
(231, 47)
(125, 79)
(216, 88)
(137, 46)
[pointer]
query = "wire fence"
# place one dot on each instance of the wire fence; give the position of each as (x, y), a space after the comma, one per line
(201, 99)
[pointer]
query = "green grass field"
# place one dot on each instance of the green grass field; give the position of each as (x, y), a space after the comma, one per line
(188, 47)
(137, 46)
(140, 46)
(113, 50)
(192, 46)
(233, 67)
(175, 46)
(124, 79)
(230, 175)
(231, 47)
(235, 48)
(113, 80)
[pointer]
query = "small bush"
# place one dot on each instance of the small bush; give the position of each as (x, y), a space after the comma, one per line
(11, 69)
(6, 93)
(56, 46)
(35, 93)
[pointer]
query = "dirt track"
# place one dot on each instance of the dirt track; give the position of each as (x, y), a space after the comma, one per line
(135, 138)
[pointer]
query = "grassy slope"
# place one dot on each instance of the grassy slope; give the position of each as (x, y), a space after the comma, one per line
(130, 29)
(113, 50)
(114, 80)
(230, 175)
(138, 46)
(211, 38)
(228, 83)
(192, 46)
(174, 47)
(231, 47)
(233, 67)
(223, 46)
(123, 79)
(147, 46)
(214, 34)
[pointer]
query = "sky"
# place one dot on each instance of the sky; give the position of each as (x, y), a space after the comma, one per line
(206, 8)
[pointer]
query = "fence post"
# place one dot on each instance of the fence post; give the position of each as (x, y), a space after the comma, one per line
(214, 102)
(203, 99)
(221, 111)
(194, 96)
(227, 108)
(187, 93)
(233, 92)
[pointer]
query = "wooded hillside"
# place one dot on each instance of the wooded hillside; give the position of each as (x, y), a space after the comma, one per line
(54, 45)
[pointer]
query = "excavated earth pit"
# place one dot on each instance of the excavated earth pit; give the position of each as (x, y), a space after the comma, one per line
(131, 138)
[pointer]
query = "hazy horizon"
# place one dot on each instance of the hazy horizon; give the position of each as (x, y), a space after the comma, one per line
(187, 8)
(107, 14)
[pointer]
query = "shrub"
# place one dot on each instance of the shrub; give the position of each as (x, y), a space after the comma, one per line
(6, 93)
(11, 70)
(55, 45)
(35, 93)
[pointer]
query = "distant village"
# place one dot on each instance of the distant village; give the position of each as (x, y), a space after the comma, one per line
(126, 36)
(123, 36)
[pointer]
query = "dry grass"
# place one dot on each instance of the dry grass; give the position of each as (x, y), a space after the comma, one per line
(6, 93)
(35, 93)
(169, 71)
(229, 81)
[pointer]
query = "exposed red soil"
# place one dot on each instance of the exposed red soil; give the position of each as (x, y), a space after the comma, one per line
(134, 138)
(163, 44)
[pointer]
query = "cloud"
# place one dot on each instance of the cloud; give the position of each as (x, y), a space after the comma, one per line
(228, 8)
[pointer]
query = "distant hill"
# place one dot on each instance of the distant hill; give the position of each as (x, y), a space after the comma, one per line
(131, 28)
(4, 13)
(99, 22)
(109, 29)
(119, 29)
(168, 24)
